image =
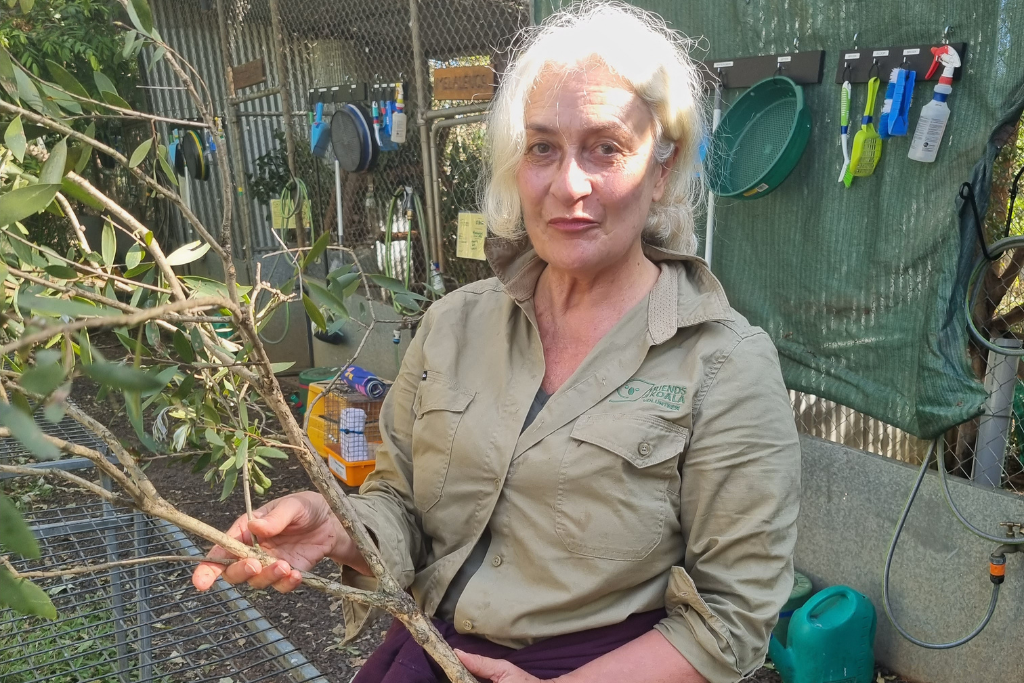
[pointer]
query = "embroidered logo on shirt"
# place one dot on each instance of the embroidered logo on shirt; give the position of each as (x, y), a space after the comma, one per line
(666, 395)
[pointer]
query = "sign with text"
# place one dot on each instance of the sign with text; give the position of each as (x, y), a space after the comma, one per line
(249, 74)
(472, 233)
(464, 83)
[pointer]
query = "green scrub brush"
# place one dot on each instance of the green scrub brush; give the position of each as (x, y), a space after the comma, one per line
(867, 143)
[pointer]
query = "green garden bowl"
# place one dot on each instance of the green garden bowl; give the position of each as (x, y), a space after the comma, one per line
(759, 140)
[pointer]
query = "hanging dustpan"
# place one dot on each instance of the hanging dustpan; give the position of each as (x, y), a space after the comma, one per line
(320, 134)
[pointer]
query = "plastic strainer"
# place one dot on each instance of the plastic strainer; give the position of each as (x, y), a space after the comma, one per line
(760, 140)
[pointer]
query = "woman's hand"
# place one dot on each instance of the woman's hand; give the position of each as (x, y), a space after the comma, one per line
(299, 530)
(494, 670)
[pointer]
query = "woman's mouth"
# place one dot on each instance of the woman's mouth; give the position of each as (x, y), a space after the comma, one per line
(572, 223)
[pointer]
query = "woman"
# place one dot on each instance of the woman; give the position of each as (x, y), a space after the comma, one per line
(590, 469)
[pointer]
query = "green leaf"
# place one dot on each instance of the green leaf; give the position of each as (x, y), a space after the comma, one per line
(140, 153)
(17, 205)
(317, 249)
(83, 159)
(243, 451)
(7, 74)
(69, 307)
(60, 98)
(27, 91)
(54, 412)
(183, 347)
(53, 169)
(229, 483)
(115, 100)
(27, 432)
(141, 15)
(134, 256)
(14, 533)
(323, 297)
(129, 43)
(268, 452)
(45, 376)
(343, 281)
(213, 437)
(165, 165)
(14, 138)
(138, 270)
(61, 272)
(313, 312)
(202, 286)
(23, 596)
(133, 408)
(27, 5)
(388, 283)
(109, 244)
(64, 79)
(103, 84)
(121, 376)
(281, 367)
(188, 253)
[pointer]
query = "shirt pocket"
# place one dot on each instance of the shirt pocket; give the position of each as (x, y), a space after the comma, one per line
(439, 405)
(614, 484)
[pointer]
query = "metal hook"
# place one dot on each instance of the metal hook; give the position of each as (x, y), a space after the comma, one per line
(855, 40)
(846, 71)
(796, 43)
(778, 70)
(876, 67)
(945, 34)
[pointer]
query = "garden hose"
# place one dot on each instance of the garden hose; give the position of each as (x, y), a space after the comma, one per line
(286, 217)
(404, 199)
(975, 286)
(997, 561)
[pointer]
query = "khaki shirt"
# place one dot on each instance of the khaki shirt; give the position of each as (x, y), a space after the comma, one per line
(664, 473)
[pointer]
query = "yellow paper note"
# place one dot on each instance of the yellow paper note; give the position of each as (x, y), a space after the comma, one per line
(472, 233)
(278, 209)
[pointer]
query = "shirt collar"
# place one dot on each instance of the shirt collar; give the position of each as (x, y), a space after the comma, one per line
(686, 293)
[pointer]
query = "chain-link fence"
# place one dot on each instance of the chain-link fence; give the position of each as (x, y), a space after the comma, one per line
(358, 44)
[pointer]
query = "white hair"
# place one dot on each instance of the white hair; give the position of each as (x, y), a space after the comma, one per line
(652, 59)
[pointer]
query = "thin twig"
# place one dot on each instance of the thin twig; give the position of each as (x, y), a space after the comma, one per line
(132, 562)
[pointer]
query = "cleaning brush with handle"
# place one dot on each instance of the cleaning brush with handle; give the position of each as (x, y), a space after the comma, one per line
(844, 126)
(867, 144)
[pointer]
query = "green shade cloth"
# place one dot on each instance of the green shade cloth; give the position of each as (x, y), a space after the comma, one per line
(861, 289)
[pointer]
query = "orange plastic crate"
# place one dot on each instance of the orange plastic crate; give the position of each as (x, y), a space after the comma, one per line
(351, 473)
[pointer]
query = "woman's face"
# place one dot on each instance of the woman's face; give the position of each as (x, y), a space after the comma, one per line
(588, 176)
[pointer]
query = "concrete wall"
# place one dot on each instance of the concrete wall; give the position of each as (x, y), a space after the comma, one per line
(940, 586)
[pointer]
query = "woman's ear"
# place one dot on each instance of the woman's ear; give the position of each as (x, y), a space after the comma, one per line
(663, 171)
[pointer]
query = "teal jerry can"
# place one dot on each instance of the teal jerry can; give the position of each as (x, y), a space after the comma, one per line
(831, 639)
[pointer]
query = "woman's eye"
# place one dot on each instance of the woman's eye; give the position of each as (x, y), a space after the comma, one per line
(540, 148)
(606, 148)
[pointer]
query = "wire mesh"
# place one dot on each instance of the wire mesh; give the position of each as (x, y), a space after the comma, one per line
(12, 452)
(329, 44)
(142, 623)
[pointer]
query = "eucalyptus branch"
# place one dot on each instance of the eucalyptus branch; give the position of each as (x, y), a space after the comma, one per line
(107, 322)
(159, 189)
(72, 217)
(132, 562)
(129, 284)
(91, 487)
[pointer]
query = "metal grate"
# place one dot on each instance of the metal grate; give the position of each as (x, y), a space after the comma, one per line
(13, 453)
(145, 623)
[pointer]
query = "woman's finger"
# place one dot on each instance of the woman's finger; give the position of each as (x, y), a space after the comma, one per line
(276, 516)
(289, 583)
(494, 670)
(270, 575)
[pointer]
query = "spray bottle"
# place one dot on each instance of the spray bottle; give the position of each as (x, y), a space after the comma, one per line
(935, 114)
(398, 122)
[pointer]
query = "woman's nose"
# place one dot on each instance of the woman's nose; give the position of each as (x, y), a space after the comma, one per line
(572, 183)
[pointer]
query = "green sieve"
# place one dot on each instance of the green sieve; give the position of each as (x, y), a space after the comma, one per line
(760, 140)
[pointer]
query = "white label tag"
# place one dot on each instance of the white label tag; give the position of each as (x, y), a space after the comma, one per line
(787, 58)
(722, 65)
(338, 468)
(880, 53)
(852, 55)
(911, 51)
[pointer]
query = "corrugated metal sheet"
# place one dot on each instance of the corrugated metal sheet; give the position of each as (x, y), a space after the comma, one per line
(192, 31)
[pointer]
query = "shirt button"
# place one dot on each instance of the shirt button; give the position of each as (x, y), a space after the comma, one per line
(497, 484)
(496, 560)
(644, 449)
(467, 625)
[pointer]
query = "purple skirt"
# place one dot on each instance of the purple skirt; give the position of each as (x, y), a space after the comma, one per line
(399, 659)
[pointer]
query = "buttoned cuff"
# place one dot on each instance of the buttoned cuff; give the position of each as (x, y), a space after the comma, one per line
(697, 632)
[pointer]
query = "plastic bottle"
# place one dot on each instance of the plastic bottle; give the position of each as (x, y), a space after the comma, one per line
(934, 116)
(398, 119)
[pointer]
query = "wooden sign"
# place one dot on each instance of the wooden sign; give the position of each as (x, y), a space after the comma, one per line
(249, 74)
(464, 83)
